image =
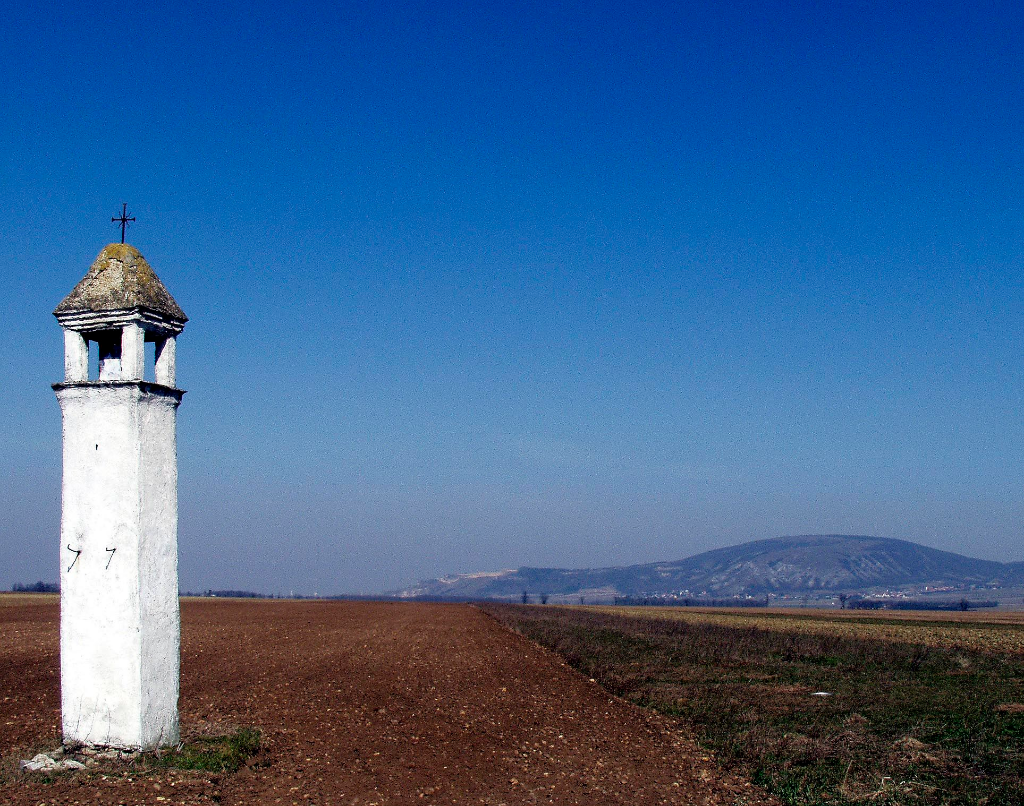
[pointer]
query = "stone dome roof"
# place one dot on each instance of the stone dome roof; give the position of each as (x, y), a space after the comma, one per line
(120, 279)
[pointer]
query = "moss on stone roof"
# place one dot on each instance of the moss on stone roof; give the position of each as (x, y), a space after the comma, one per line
(121, 279)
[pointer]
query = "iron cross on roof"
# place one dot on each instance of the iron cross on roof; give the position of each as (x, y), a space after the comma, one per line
(123, 219)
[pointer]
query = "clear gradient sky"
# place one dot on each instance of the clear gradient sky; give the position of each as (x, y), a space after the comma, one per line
(481, 285)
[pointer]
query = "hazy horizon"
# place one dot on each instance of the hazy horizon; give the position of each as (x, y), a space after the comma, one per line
(493, 571)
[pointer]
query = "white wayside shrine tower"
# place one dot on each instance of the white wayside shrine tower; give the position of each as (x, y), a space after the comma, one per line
(119, 620)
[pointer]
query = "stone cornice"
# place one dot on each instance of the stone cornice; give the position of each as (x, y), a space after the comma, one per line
(147, 387)
(93, 321)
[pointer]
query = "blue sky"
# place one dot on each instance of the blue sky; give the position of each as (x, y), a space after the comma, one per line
(476, 286)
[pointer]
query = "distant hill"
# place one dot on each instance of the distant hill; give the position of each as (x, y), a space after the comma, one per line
(781, 565)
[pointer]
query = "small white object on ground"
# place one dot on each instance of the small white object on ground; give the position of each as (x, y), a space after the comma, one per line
(41, 761)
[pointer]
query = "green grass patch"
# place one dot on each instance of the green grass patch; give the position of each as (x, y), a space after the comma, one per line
(899, 723)
(212, 753)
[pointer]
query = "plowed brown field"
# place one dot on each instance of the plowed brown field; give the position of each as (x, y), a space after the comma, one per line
(365, 703)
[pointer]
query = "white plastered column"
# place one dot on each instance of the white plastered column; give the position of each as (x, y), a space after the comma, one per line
(166, 361)
(133, 352)
(76, 357)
